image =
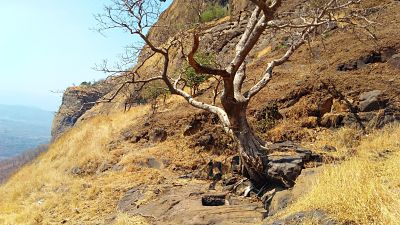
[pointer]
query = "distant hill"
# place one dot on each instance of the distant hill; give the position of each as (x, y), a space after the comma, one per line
(10, 165)
(22, 128)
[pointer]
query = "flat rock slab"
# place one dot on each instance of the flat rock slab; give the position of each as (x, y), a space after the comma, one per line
(183, 205)
(286, 160)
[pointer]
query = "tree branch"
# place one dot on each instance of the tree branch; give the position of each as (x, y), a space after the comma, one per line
(200, 69)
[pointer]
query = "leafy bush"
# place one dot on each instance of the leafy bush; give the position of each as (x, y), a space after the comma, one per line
(154, 90)
(193, 79)
(86, 83)
(214, 11)
(91, 83)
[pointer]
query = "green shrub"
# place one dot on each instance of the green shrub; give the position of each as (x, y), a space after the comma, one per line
(91, 83)
(213, 12)
(193, 79)
(86, 83)
(152, 91)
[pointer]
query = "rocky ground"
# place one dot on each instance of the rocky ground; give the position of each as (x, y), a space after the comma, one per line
(171, 164)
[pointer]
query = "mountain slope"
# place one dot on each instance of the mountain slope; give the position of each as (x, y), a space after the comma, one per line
(89, 176)
(149, 165)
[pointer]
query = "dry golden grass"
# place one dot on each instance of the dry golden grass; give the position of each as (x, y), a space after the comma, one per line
(264, 52)
(45, 192)
(364, 189)
(124, 219)
(344, 139)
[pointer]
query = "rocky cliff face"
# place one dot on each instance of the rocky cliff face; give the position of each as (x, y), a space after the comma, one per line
(182, 15)
(75, 102)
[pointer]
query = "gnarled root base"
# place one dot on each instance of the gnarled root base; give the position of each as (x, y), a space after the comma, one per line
(264, 168)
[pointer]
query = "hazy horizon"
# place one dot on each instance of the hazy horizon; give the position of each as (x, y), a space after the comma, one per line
(23, 128)
(47, 46)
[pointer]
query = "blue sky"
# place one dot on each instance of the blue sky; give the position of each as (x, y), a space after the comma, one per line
(47, 45)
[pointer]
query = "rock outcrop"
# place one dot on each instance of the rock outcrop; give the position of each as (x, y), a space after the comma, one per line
(182, 14)
(75, 102)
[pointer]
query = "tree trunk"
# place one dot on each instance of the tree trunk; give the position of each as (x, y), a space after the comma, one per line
(251, 148)
(252, 153)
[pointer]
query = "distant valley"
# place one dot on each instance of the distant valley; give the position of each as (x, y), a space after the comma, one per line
(22, 128)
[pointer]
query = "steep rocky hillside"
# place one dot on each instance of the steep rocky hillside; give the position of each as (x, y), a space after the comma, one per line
(168, 163)
(315, 89)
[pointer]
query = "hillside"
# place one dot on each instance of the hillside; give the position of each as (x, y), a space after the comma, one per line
(11, 165)
(23, 128)
(162, 162)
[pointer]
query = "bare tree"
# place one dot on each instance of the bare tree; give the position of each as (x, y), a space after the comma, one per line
(312, 18)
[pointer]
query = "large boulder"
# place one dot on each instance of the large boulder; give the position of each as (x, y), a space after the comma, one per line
(286, 162)
(372, 100)
(283, 198)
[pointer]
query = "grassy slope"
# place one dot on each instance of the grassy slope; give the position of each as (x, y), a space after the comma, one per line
(45, 192)
(363, 188)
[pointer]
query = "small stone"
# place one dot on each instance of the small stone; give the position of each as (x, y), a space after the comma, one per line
(267, 198)
(127, 135)
(117, 167)
(158, 135)
(395, 61)
(370, 94)
(143, 135)
(104, 167)
(76, 171)
(229, 181)
(285, 173)
(206, 141)
(213, 199)
(331, 120)
(325, 106)
(235, 164)
(129, 200)
(328, 148)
